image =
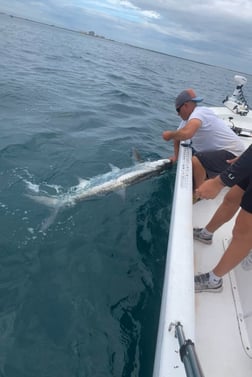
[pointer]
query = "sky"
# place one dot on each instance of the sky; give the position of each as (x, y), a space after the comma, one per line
(216, 32)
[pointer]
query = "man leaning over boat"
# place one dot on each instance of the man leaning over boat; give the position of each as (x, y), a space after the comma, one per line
(238, 176)
(212, 141)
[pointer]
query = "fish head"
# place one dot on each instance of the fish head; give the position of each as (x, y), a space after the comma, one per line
(161, 164)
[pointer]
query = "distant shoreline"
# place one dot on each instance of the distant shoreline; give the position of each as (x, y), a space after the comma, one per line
(88, 33)
(92, 34)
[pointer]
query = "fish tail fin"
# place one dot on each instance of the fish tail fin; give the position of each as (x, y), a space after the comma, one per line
(49, 220)
(51, 202)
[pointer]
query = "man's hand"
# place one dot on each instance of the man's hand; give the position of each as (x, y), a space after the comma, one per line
(173, 159)
(168, 135)
(233, 160)
(210, 188)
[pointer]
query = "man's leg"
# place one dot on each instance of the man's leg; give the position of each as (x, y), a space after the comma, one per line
(226, 210)
(237, 250)
(199, 172)
(239, 246)
(224, 213)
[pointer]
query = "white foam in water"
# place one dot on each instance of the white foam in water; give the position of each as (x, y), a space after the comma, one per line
(32, 186)
(57, 188)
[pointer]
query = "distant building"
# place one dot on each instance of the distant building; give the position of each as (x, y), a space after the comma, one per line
(92, 33)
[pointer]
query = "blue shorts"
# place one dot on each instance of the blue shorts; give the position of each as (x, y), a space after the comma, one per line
(214, 162)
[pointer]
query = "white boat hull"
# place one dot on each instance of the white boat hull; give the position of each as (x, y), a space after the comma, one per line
(220, 324)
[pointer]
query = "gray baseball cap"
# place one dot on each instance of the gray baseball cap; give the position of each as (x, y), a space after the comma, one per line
(185, 96)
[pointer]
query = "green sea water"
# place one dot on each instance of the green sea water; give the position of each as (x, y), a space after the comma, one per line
(83, 298)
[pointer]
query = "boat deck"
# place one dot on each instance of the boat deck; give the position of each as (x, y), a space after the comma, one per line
(221, 334)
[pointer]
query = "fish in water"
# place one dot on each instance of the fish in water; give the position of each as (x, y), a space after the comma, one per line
(114, 181)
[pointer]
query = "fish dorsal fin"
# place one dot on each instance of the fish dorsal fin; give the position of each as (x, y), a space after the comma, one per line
(136, 156)
(114, 168)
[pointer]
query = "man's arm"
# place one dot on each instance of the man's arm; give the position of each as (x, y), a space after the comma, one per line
(210, 188)
(184, 133)
(176, 151)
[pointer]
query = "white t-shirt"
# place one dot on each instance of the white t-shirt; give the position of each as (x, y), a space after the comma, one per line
(214, 133)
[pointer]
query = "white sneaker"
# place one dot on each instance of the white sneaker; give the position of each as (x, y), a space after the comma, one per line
(202, 284)
(198, 235)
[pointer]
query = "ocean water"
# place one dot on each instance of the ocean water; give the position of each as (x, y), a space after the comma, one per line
(83, 297)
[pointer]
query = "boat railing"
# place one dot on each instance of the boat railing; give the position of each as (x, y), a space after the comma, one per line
(240, 131)
(178, 286)
(188, 353)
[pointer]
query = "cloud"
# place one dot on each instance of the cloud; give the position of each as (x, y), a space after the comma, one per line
(214, 31)
(125, 8)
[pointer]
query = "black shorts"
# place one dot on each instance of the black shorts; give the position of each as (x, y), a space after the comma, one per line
(246, 202)
(214, 162)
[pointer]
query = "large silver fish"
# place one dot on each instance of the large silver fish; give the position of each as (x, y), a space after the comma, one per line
(116, 180)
